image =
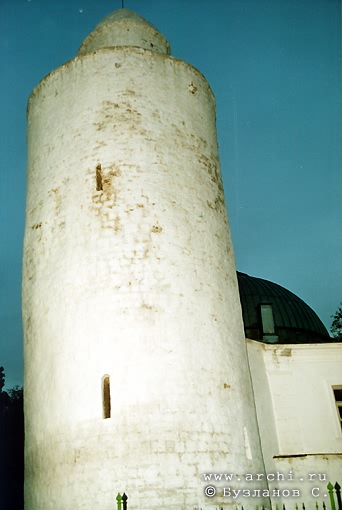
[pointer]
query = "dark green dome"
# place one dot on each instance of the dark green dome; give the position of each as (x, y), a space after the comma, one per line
(273, 314)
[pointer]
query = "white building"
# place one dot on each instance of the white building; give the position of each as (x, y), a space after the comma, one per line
(136, 368)
(297, 381)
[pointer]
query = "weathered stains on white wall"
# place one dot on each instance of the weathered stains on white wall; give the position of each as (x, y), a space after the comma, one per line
(135, 280)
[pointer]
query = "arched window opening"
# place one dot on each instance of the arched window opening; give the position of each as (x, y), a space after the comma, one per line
(106, 396)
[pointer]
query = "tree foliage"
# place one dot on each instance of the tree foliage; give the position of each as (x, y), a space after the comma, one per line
(336, 326)
(2, 378)
(11, 446)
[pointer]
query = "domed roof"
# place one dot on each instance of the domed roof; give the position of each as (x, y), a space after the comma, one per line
(125, 28)
(273, 314)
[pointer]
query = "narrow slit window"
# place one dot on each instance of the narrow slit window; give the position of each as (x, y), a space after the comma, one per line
(338, 400)
(106, 396)
(99, 186)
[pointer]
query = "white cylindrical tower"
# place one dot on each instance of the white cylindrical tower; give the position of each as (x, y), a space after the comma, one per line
(136, 373)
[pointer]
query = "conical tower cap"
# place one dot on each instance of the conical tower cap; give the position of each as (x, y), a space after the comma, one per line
(125, 28)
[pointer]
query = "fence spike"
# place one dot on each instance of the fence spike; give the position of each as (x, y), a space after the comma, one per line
(324, 507)
(338, 495)
(303, 506)
(124, 501)
(317, 507)
(296, 506)
(118, 501)
(330, 488)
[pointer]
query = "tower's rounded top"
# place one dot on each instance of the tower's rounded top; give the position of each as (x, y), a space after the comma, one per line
(125, 28)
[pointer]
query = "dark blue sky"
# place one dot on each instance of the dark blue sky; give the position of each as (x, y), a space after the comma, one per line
(274, 66)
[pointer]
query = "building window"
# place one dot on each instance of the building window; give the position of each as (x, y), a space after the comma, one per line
(267, 319)
(267, 323)
(338, 400)
(106, 396)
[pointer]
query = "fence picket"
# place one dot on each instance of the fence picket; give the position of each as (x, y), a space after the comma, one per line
(124, 501)
(338, 495)
(118, 501)
(330, 488)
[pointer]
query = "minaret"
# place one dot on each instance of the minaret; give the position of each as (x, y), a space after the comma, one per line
(136, 373)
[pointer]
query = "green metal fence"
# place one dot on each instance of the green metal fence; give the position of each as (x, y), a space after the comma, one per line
(334, 502)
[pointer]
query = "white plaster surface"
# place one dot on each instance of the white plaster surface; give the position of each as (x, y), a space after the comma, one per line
(299, 427)
(137, 281)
